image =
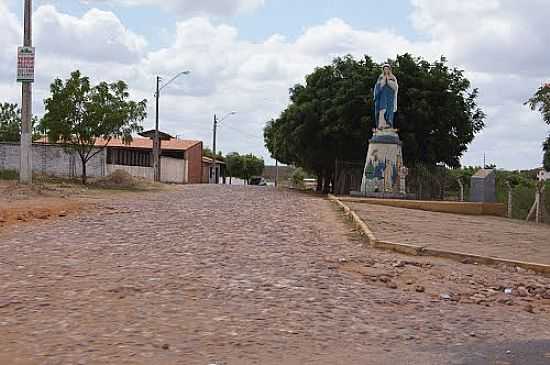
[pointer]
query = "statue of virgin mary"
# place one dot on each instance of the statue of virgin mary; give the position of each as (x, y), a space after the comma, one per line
(385, 98)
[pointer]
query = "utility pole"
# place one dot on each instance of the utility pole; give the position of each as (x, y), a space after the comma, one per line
(156, 140)
(25, 171)
(214, 170)
(216, 123)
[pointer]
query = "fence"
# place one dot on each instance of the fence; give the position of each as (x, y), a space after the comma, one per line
(443, 184)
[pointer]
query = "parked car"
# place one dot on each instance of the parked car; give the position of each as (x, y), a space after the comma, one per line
(258, 181)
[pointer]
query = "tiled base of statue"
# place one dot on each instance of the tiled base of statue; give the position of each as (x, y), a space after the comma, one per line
(384, 174)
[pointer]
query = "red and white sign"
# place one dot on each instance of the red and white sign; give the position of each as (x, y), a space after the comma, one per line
(25, 64)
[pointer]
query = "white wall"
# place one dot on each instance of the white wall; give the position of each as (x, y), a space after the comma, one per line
(52, 160)
(135, 171)
(172, 170)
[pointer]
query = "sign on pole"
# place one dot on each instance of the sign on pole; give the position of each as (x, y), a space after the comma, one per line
(25, 64)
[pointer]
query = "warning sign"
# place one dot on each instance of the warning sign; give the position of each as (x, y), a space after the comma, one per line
(25, 64)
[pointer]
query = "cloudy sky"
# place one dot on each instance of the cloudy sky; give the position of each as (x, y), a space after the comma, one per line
(245, 54)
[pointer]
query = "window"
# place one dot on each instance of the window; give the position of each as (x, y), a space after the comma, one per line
(128, 157)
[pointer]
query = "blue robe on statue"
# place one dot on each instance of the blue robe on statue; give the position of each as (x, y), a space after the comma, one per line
(385, 98)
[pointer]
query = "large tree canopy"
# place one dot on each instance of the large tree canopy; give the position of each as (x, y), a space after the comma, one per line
(541, 102)
(85, 118)
(331, 116)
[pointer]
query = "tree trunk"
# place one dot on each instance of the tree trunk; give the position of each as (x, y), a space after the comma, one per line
(319, 182)
(84, 176)
(326, 183)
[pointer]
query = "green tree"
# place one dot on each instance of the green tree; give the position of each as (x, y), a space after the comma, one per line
(251, 166)
(85, 118)
(234, 165)
(541, 102)
(331, 116)
(10, 123)
(208, 153)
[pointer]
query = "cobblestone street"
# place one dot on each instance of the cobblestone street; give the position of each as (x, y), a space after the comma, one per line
(242, 275)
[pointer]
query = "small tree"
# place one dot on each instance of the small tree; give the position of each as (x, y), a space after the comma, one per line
(252, 166)
(541, 102)
(10, 123)
(234, 165)
(86, 118)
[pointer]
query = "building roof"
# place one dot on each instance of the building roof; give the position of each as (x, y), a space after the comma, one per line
(209, 160)
(146, 143)
(143, 143)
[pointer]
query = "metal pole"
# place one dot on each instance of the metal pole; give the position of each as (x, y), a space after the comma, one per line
(215, 178)
(156, 144)
(510, 201)
(276, 173)
(25, 171)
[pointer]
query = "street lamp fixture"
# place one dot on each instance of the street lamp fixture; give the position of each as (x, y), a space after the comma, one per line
(216, 123)
(156, 140)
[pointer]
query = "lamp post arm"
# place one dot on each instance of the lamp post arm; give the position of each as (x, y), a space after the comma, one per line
(174, 79)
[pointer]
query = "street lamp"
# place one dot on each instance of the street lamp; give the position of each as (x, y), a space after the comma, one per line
(156, 140)
(216, 122)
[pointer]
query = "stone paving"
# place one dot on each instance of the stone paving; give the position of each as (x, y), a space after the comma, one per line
(479, 235)
(242, 275)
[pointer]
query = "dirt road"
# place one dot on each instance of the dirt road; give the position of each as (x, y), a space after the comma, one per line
(241, 275)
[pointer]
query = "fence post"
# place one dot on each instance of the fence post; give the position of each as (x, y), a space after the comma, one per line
(536, 208)
(461, 184)
(510, 197)
(540, 189)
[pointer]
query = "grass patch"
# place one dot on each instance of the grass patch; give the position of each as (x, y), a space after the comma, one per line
(9, 175)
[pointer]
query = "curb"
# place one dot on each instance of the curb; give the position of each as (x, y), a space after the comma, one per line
(416, 250)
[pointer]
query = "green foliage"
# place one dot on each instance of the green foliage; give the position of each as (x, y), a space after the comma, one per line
(10, 123)
(252, 166)
(9, 175)
(298, 177)
(541, 102)
(331, 117)
(546, 159)
(244, 166)
(234, 164)
(208, 153)
(81, 115)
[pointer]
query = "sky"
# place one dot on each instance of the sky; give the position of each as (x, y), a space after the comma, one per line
(244, 55)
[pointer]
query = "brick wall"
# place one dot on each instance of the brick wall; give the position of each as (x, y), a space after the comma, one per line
(52, 160)
(194, 164)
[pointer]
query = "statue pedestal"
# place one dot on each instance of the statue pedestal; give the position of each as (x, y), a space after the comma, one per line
(384, 172)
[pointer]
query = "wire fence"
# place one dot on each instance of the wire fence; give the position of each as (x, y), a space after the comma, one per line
(517, 191)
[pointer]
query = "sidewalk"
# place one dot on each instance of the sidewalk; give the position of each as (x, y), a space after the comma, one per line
(475, 235)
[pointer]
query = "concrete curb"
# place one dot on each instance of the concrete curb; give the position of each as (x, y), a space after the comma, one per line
(416, 250)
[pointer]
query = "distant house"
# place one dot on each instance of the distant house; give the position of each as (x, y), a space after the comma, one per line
(181, 160)
(212, 172)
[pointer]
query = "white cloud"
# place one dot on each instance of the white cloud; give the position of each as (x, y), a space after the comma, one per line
(97, 36)
(503, 45)
(192, 7)
(230, 73)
